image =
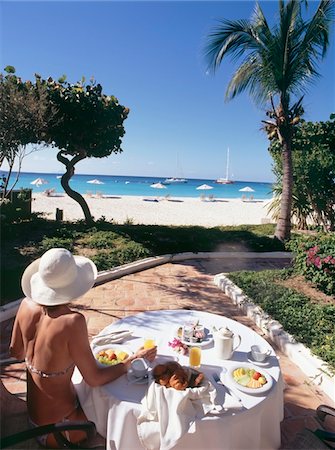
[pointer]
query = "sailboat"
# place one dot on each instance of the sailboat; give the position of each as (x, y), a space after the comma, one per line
(225, 180)
(175, 180)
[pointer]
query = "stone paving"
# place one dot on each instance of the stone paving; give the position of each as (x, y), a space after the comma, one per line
(187, 285)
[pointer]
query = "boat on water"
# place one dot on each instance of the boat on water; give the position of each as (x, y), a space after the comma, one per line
(174, 180)
(225, 180)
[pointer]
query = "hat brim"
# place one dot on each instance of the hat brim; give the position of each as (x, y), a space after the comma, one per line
(34, 287)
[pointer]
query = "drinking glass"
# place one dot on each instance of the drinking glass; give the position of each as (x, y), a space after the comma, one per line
(149, 342)
(195, 356)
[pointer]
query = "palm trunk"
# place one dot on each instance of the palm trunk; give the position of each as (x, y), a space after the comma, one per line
(283, 229)
(70, 192)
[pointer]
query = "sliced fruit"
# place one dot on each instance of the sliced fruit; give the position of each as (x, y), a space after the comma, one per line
(262, 380)
(256, 375)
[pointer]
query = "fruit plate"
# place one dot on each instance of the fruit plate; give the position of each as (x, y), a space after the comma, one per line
(207, 339)
(116, 347)
(254, 391)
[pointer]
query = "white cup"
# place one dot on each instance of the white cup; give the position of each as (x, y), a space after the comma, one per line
(139, 367)
(259, 353)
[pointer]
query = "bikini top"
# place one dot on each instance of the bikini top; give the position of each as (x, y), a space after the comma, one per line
(42, 374)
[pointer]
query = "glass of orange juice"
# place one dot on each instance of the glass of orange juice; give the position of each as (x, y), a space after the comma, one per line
(194, 356)
(149, 342)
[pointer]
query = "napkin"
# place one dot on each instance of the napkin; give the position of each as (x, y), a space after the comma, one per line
(167, 414)
(110, 338)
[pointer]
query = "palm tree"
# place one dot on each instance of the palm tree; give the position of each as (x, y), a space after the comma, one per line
(277, 66)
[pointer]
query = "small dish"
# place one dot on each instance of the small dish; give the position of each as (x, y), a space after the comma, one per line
(258, 363)
(207, 339)
(137, 380)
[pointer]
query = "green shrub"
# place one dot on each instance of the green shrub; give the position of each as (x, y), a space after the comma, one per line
(56, 242)
(314, 258)
(133, 251)
(310, 323)
(100, 239)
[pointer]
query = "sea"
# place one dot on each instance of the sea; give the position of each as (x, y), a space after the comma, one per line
(141, 186)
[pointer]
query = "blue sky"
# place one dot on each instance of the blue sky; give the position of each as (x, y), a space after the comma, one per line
(150, 55)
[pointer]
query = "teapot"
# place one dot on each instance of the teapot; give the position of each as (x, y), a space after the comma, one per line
(224, 340)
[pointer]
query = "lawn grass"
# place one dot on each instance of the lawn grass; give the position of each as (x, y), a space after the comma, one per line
(110, 245)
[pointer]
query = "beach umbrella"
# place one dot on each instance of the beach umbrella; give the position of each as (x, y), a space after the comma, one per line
(39, 181)
(247, 189)
(158, 186)
(204, 187)
(95, 181)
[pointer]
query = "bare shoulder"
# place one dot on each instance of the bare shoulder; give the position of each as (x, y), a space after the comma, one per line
(76, 319)
(28, 308)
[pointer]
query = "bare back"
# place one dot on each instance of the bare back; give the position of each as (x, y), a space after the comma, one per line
(41, 335)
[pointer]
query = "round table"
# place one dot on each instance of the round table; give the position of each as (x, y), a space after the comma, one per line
(115, 407)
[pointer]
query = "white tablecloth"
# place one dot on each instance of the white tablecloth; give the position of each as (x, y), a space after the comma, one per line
(115, 407)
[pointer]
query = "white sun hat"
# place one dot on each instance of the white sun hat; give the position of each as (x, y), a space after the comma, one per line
(58, 277)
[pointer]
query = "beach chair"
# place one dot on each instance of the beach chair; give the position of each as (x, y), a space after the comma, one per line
(203, 197)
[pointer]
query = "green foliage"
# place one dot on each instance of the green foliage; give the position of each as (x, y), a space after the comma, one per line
(87, 120)
(313, 160)
(111, 245)
(310, 323)
(314, 258)
(56, 242)
(99, 239)
(131, 251)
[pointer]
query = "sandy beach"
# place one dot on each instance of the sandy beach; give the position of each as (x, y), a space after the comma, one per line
(173, 211)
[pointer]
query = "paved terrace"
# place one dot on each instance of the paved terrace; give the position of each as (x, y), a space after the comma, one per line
(187, 285)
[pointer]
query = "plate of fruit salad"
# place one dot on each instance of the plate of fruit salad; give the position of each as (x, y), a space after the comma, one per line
(110, 355)
(250, 379)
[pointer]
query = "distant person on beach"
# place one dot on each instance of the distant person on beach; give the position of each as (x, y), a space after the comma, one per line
(53, 339)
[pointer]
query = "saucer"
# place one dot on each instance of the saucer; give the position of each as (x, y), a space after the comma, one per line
(136, 380)
(258, 363)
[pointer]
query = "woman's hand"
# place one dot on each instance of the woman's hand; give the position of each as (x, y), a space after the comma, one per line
(148, 354)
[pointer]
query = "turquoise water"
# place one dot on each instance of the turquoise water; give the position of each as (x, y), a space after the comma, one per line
(140, 186)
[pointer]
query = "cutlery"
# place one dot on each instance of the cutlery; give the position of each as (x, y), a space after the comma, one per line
(136, 380)
(112, 333)
(229, 390)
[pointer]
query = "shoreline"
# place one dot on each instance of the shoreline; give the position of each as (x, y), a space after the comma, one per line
(178, 211)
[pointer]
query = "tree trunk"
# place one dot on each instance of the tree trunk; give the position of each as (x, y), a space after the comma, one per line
(283, 229)
(69, 164)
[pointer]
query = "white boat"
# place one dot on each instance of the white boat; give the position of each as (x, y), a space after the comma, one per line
(225, 180)
(174, 180)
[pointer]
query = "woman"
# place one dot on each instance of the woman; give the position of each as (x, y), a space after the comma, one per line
(53, 339)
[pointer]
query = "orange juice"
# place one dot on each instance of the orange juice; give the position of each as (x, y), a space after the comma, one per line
(195, 356)
(149, 343)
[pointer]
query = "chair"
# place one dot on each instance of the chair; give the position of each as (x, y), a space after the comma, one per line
(56, 429)
(14, 417)
(319, 439)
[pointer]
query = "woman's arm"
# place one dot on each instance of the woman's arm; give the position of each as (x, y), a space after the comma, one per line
(16, 347)
(81, 353)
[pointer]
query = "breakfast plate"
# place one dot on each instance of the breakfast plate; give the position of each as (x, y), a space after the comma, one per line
(239, 376)
(121, 352)
(205, 341)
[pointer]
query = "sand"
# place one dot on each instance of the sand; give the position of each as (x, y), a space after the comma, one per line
(173, 211)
